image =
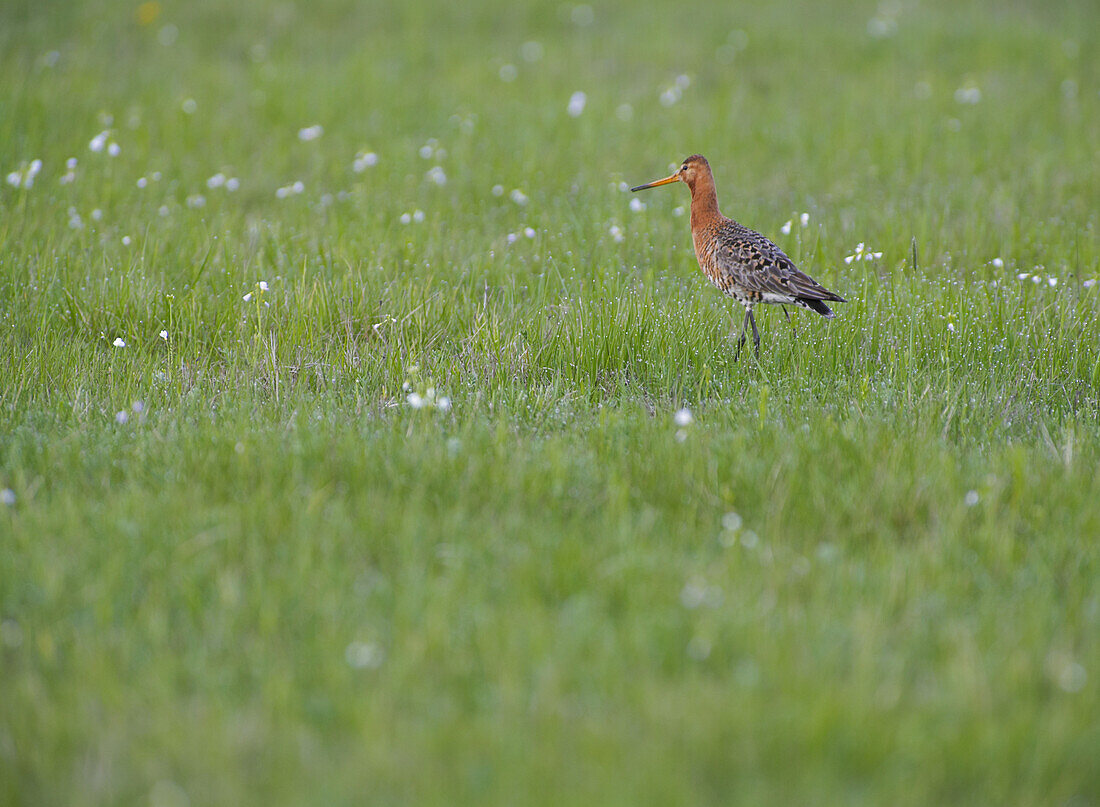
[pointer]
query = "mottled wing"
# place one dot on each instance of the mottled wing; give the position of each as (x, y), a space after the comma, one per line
(758, 266)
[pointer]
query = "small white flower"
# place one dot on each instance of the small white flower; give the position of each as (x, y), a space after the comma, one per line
(97, 214)
(683, 417)
(968, 95)
(511, 238)
(363, 161)
(405, 218)
(683, 81)
(98, 142)
(786, 228)
(189, 106)
(1023, 276)
(121, 416)
(126, 240)
(678, 211)
(7, 496)
(232, 184)
(637, 205)
(529, 232)
(804, 219)
(1088, 284)
(119, 342)
(310, 132)
(298, 186)
(971, 498)
(1036, 279)
(1052, 282)
(426, 152)
(443, 404)
(196, 200)
(415, 400)
(998, 263)
(164, 335)
(113, 149)
(263, 285)
(15, 179)
(508, 72)
(70, 163)
(670, 96)
(418, 215)
(248, 297)
(616, 233)
(435, 174)
(951, 327)
(75, 222)
(216, 181)
(862, 254)
(576, 105)
(142, 182)
(138, 406)
(497, 190)
(518, 196)
(163, 211)
(624, 112)
(156, 176)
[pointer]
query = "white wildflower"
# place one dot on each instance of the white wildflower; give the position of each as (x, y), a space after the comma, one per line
(126, 240)
(518, 196)
(216, 181)
(507, 72)
(121, 416)
(418, 215)
(998, 263)
(310, 132)
(616, 233)
(576, 105)
(363, 161)
(971, 498)
(263, 285)
(99, 142)
(804, 219)
(436, 174)
(529, 232)
(497, 190)
(637, 205)
(683, 417)
(142, 182)
(196, 200)
(405, 218)
(786, 228)
(232, 184)
(7, 496)
(119, 342)
(248, 297)
(164, 335)
(113, 149)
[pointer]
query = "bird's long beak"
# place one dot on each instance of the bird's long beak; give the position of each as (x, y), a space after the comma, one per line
(665, 181)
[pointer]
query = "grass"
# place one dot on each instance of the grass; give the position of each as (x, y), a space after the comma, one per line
(236, 566)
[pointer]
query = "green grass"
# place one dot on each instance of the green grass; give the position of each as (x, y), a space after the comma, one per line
(866, 573)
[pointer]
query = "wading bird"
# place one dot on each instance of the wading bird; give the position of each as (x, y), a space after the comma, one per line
(739, 261)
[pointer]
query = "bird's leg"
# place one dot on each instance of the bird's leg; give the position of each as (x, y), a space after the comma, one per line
(741, 341)
(755, 333)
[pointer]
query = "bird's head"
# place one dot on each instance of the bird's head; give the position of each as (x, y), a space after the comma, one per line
(690, 171)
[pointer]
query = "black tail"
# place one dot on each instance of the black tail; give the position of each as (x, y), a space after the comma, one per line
(818, 306)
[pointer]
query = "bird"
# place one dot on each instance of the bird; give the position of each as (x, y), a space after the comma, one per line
(741, 262)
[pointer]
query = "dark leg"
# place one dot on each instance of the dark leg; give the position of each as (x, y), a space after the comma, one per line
(791, 321)
(744, 327)
(755, 333)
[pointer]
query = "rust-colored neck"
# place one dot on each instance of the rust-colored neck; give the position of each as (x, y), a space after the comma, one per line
(704, 198)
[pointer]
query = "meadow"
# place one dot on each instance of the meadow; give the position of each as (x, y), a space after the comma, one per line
(364, 441)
